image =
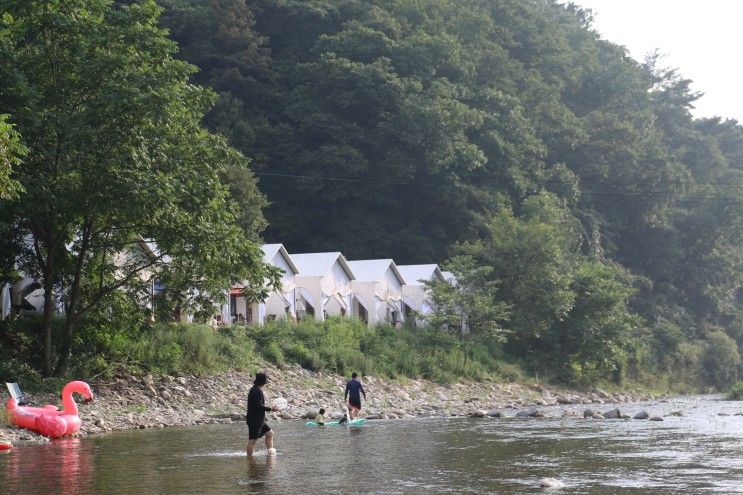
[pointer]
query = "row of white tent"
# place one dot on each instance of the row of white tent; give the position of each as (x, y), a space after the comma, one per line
(319, 285)
(313, 285)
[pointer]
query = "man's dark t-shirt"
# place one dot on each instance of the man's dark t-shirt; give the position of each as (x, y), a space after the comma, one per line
(256, 407)
(354, 389)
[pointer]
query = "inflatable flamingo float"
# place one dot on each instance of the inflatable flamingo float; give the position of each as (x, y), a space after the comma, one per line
(48, 420)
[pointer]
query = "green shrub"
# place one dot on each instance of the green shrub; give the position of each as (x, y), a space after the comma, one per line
(272, 352)
(736, 391)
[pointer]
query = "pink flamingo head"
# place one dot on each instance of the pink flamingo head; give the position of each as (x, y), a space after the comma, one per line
(76, 387)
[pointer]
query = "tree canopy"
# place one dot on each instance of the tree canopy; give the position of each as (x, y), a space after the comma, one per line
(117, 158)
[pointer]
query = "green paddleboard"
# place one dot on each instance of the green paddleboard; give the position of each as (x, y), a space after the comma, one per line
(355, 422)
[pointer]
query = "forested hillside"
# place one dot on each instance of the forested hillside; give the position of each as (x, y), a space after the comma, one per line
(504, 131)
(595, 228)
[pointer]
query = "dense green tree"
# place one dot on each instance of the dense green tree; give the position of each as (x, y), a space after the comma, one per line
(11, 151)
(117, 156)
(468, 305)
(600, 331)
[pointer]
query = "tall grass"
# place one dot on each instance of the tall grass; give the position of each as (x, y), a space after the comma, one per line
(339, 345)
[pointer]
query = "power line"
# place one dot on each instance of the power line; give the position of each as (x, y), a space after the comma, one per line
(649, 193)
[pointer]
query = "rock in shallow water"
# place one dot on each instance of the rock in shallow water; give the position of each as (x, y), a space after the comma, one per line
(613, 414)
(551, 483)
(642, 415)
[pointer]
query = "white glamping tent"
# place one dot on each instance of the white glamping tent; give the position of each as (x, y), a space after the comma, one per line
(377, 291)
(414, 294)
(323, 285)
(279, 304)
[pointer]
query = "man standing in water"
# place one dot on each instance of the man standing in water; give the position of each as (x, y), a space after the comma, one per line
(256, 416)
(354, 390)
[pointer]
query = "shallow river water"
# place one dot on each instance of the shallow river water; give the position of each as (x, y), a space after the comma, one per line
(700, 452)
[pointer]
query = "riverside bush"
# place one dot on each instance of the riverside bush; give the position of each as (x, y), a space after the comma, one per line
(736, 391)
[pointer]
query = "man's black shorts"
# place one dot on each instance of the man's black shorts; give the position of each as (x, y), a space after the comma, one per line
(256, 431)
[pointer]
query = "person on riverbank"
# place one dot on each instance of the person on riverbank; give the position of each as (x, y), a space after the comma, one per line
(354, 391)
(256, 416)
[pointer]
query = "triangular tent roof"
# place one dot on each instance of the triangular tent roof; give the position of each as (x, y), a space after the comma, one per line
(373, 270)
(414, 273)
(270, 250)
(318, 264)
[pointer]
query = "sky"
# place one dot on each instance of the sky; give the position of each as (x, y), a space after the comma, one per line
(703, 39)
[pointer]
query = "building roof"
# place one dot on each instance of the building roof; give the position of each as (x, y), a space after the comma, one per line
(449, 277)
(373, 270)
(413, 274)
(319, 264)
(270, 250)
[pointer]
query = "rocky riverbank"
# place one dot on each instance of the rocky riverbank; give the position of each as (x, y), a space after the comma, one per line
(138, 402)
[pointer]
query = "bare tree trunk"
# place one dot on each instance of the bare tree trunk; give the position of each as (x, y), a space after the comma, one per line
(69, 328)
(73, 313)
(47, 324)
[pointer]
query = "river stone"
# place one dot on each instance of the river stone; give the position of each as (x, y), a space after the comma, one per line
(530, 413)
(597, 415)
(656, 418)
(550, 483)
(309, 415)
(588, 413)
(480, 413)
(561, 399)
(495, 414)
(723, 414)
(613, 414)
(678, 414)
(642, 415)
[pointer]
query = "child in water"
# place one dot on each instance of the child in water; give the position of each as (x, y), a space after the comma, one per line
(320, 418)
(344, 419)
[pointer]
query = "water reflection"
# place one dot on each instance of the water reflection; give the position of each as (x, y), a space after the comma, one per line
(259, 473)
(64, 466)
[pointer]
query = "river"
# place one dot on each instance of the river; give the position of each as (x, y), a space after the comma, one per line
(699, 452)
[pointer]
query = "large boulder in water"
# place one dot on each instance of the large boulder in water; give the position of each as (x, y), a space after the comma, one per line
(613, 414)
(588, 413)
(642, 415)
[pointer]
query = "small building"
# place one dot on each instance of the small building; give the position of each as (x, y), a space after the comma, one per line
(323, 286)
(415, 295)
(377, 291)
(280, 304)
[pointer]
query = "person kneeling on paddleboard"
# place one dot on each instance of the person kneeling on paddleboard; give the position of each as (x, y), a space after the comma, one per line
(256, 416)
(354, 391)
